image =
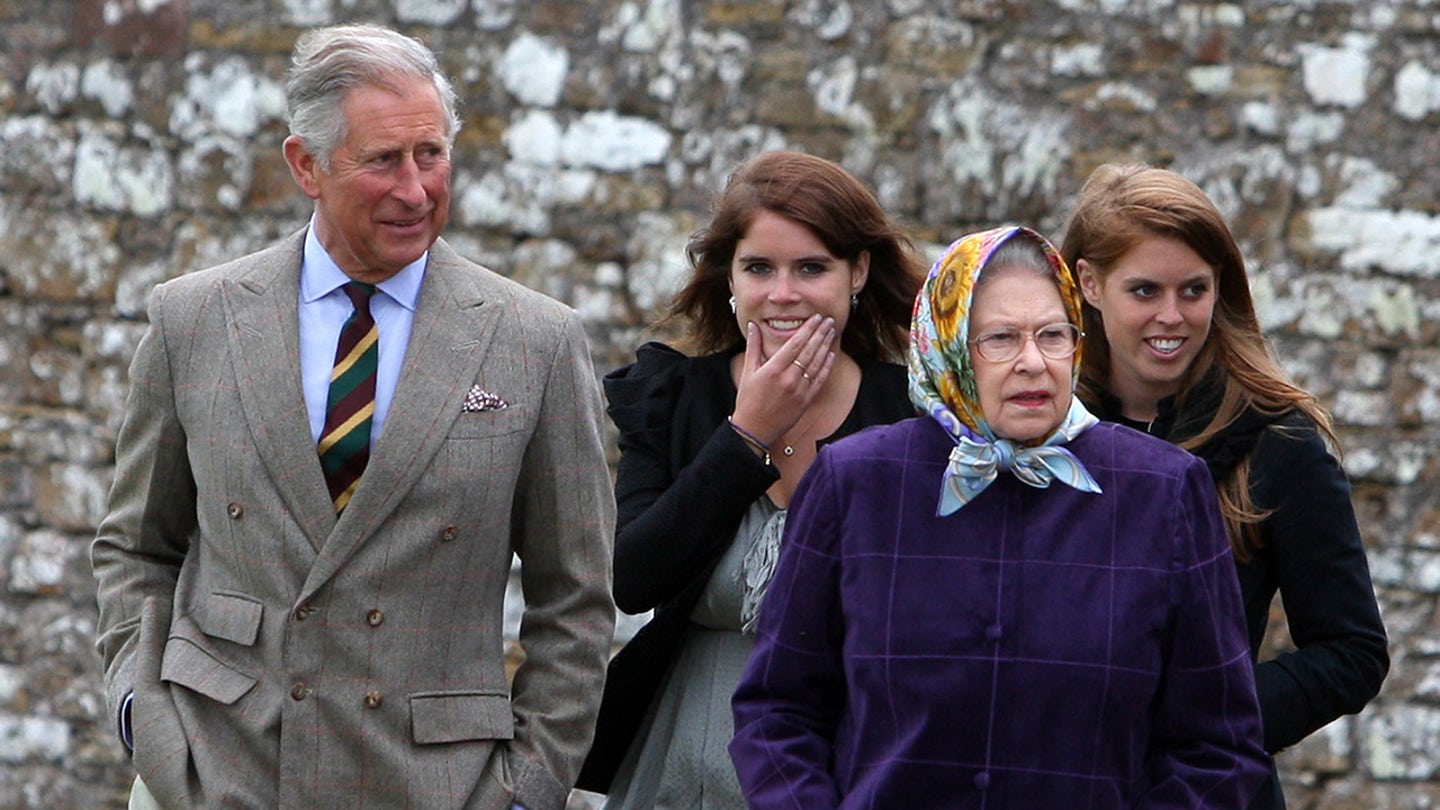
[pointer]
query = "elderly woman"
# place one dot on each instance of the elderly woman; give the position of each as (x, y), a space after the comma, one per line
(1004, 602)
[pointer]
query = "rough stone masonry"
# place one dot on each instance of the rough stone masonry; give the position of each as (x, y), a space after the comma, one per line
(140, 139)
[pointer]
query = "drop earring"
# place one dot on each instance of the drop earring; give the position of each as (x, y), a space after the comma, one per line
(854, 301)
(732, 304)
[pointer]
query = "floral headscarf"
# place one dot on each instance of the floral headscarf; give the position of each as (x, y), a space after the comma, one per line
(942, 379)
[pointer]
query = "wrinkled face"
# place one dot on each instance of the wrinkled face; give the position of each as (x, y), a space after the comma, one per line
(386, 196)
(1027, 397)
(782, 274)
(1156, 303)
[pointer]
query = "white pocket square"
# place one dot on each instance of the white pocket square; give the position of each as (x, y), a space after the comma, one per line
(478, 399)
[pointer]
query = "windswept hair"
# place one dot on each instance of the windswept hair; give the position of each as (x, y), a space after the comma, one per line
(327, 62)
(842, 213)
(1122, 205)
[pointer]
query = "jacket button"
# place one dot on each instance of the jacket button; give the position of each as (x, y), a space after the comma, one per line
(449, 533)
(299, 691)
(373, 700)
(234, 510)
(303, 612)
(375, 617)
(994, 632)
(982, 780)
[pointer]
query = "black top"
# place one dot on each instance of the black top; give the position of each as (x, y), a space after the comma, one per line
(684, 482)
(1310, 551)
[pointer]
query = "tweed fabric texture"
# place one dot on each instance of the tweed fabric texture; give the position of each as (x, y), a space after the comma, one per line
(285, 656)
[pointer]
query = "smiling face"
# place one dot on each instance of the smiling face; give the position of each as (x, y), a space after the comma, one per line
(782, 274)
(386, 195)
(1027, 397)
(1156, 304)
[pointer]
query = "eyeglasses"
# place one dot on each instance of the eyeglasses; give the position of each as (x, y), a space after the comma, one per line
(1056, 341)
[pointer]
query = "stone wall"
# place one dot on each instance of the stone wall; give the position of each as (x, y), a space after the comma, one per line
(139, 140)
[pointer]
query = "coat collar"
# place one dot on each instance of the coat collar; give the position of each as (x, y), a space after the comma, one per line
(261, 305)
(455, 321)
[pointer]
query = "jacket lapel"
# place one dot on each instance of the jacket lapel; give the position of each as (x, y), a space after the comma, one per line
(455, 320)
(263, 311)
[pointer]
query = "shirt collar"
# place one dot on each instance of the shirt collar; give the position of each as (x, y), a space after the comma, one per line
(320, 275)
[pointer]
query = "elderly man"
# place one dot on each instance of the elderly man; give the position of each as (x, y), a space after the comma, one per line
(331, 449)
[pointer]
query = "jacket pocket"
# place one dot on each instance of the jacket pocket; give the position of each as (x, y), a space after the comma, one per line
(489, 424)
(231, 616)
(187, 665)
(442, 717)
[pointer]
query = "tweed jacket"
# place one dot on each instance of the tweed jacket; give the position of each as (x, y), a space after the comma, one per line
(280, 657)
(1039, 648)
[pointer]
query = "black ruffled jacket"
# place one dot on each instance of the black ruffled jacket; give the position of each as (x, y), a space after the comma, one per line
(684, 482)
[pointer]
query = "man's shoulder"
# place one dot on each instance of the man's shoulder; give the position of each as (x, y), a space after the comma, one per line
(285, 253)
(470, 278)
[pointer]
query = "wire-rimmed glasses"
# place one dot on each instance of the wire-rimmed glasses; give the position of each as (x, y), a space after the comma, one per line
(1056, 341)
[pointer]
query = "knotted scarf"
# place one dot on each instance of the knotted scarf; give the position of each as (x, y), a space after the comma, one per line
(942, 378)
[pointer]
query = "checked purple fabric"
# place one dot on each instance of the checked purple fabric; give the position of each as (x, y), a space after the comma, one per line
(1040, 648)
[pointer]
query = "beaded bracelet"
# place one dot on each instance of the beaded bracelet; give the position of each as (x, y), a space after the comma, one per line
(751, 440)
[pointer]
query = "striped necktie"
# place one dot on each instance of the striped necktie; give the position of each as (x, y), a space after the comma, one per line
(350, 408)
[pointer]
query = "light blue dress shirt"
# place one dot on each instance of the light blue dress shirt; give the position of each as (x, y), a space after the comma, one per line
(324, 309)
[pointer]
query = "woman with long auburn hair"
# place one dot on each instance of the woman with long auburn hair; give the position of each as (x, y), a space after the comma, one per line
(796, 311)
(1173, 348)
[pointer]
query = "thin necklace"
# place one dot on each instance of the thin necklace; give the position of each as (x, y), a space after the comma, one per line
(789, 449)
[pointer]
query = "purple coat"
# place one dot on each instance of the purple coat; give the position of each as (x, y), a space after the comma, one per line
(1039, 648)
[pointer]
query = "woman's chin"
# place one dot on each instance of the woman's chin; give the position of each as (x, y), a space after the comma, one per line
(1025, 428)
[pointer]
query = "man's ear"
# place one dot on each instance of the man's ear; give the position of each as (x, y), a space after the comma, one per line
(1089, 282)
(303, 166)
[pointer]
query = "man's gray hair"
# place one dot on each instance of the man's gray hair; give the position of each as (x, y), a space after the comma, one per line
(329, 61)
